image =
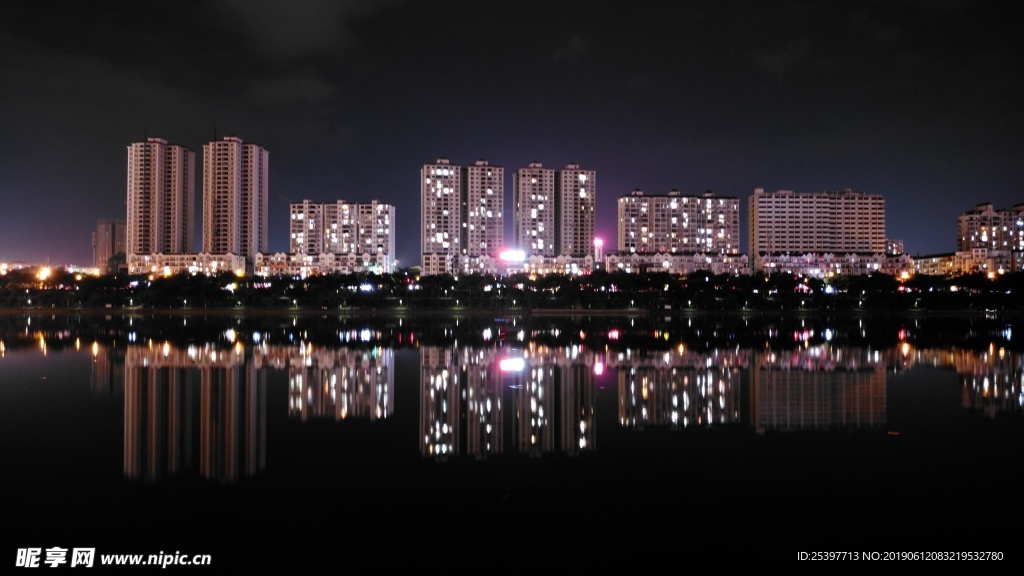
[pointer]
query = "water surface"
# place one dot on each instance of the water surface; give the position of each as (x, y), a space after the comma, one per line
(548, 443)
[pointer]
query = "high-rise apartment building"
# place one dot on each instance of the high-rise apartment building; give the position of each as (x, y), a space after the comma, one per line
(306, 227)
(235, 198)
(841, 222)
(991, 229)
(483, 206)
(441, 217)
(676, 224)
(341, 227)
(463, 214)
(161, 193)
(107, 241)
(533, 219)
(577, 200)
(375, 230)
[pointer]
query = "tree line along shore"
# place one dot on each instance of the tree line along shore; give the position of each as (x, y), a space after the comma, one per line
(607, 292)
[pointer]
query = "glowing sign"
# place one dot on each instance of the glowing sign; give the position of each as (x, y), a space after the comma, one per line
(513, 255)
(512, 364)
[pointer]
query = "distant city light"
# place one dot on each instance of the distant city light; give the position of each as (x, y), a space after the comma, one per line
(512, 364)
(513, 255)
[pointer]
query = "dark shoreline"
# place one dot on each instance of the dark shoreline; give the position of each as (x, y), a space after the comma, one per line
(501, 312)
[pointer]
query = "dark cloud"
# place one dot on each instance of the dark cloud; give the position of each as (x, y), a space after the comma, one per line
(283, 31)
(782, 61)
(573, 50)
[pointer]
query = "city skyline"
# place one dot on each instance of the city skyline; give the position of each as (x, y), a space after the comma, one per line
(830, 226)
(918, 103)
(182, 159)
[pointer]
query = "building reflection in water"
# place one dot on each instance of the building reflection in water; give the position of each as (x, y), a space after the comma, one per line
(993, 379)
(554, 400)
(472, 399)
(818, 387)
(202, 409)
(460, 402)
(993, 382)
(107, 377)
(340, 383)
(678, 387)
(183, 407)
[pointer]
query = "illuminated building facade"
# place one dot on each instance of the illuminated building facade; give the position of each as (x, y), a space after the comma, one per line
(991, 229)
(235, 198)
(364, 231)
(677, 263)
(440, 217)
(534, 210)
(463, 215)
(483, 206)
(306, 233)
(577, 200)
(161, 193)
(787, 222)
(676, 224)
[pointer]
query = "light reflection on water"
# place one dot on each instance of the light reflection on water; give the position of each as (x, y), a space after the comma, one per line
(268, 404)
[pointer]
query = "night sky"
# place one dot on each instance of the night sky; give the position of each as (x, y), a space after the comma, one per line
(920, 101)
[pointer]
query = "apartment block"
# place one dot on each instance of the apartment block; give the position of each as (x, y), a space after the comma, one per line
(483, 206)
(235, 198)
(306, 233)
(440, 217)
(843, 222)
(360, 229)
(108, 240)
(577, 201)
(463, 215)
(160, 201)
(534, 210)
(991, 228)
(674, 223)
